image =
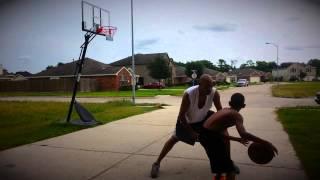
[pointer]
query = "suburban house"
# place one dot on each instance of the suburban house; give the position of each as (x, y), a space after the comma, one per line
(181, 77)
(141, 66)
(4, 75)
(95, 76)
(252, 75)
(294, 71)
(216, 75)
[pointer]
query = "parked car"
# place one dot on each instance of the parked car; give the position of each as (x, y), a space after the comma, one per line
(317, 98)
(154, 85)
(242, 82)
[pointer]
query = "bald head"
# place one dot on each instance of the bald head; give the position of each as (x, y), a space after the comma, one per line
(205, 78)
(205, 84)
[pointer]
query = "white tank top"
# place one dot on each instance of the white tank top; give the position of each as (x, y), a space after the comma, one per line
(194, 114)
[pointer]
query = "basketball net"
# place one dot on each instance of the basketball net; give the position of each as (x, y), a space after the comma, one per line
(107, 31)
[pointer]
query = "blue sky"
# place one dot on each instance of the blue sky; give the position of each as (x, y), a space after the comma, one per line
(38, 33)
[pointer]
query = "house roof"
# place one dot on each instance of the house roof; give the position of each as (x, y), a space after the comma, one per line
(91, 67)
(246, 72)
(140, 59)
(24, 73)
(211, 72)
(180, 71)
(287, 64)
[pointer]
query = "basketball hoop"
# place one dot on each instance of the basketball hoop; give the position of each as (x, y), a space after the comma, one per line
(107, 31)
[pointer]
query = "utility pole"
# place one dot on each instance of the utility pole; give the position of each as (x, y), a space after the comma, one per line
(132, 53)
(277, 70)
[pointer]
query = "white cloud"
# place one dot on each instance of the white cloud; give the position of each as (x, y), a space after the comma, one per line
(146, 43)
(217, 27)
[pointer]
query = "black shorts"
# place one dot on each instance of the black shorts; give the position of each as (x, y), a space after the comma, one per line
(183, 135)
(217, 152)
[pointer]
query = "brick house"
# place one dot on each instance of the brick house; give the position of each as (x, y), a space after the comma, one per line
(141, 69)
(291, 71)
(181, 77)
(95, 76)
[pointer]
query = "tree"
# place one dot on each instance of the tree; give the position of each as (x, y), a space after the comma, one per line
(60, 64)
(250, 64)
(159, 69)
(49, 67)
(194, 65)
(208, 64)
(265, 66)
(223, 66)
(315, 63)
(233, 63)
(243, 66)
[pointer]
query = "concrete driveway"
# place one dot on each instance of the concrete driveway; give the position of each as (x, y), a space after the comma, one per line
(126, 149)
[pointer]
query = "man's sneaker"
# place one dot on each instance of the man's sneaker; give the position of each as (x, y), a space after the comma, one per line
(155, 170)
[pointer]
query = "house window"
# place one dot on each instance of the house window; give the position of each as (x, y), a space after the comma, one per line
(308, 70)
(293, 70)
(123, 80)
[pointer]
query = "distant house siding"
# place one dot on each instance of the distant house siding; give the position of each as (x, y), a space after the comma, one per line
(220, 77)
(231, 78)
(181, 80)
(294, 70)
(123, 78)
(107, 83)
(114, 82)
(255, 79)
(144, 72)
(141, 69)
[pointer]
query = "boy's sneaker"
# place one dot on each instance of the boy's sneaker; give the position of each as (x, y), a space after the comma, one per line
(155, 170)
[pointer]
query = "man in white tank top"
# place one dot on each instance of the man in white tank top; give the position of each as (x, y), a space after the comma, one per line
(194, 110)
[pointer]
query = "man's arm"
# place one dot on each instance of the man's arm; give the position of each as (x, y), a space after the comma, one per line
(182, 115)
(245, 135)
(216, 101)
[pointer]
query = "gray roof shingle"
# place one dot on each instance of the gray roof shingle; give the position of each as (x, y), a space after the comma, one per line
(211, 72)
(140, 59)
(246, 72)
(91, 67)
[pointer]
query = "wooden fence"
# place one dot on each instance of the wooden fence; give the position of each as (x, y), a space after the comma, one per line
(46, 85)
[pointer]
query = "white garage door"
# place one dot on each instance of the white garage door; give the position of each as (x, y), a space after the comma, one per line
(254, 79)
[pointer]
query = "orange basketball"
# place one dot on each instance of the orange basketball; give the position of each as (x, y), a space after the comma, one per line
(260, 153)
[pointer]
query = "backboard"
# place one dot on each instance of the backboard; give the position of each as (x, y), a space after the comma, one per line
(96, 20)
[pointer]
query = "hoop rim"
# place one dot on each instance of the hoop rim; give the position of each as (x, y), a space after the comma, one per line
(106, 30)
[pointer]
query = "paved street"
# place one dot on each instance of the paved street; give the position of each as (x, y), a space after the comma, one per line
(125, 149)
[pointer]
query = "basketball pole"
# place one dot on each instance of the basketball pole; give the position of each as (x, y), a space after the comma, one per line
(78, 74)
(132, 55)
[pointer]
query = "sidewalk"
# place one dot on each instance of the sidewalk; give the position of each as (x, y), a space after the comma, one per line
(125, 149)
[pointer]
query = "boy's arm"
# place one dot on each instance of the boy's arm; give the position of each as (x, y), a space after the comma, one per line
(240, 140)
(245, 135)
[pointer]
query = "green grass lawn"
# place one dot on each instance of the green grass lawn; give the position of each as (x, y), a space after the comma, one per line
(303, 127)
(296, 90)
(173, 91)
(27, 122)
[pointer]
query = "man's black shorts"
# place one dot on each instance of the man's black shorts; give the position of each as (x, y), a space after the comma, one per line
(183, 135)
